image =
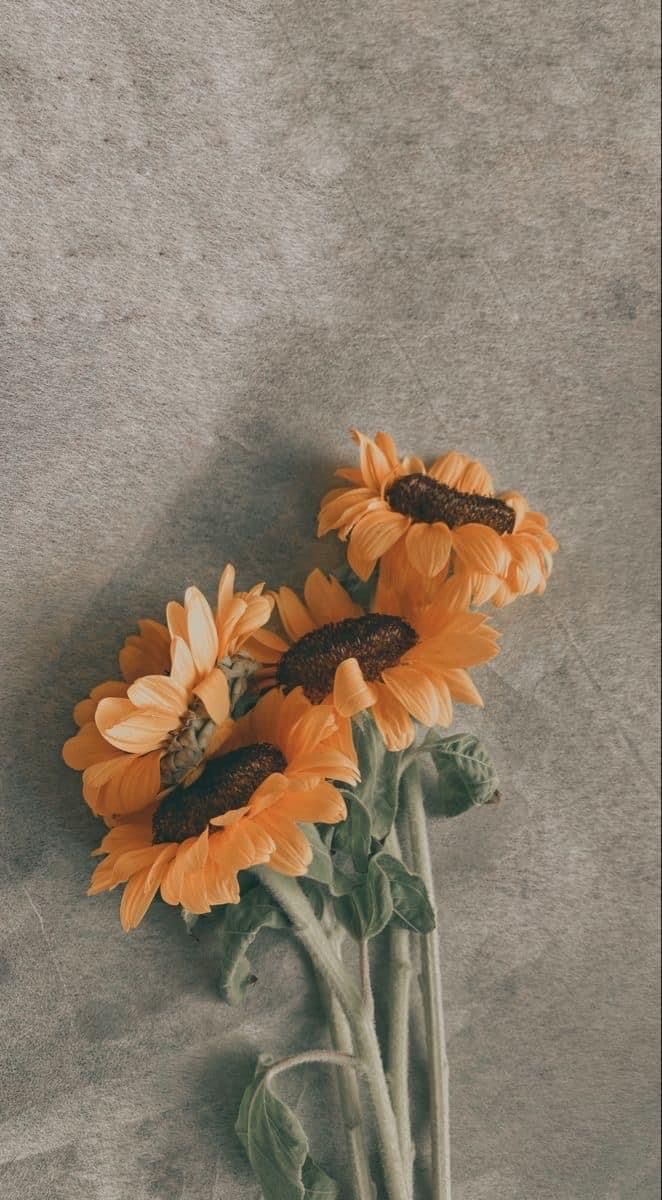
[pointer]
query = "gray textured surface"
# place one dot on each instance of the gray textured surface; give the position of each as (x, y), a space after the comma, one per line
(230, 230)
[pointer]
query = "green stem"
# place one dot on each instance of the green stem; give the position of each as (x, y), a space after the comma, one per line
(311, 934)
(333, 1058)
(350, 1097)
(432, 992)
(397, 1056)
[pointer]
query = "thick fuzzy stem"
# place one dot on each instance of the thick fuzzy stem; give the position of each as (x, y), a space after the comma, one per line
(312, 935)
(399, 987)
(350, 1098)
(412, 794)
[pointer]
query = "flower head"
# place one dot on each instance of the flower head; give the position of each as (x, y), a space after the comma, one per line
(244, 809)
(422, 521)
(154, 729)
(403, 659)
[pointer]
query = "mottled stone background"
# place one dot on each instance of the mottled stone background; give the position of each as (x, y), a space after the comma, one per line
(230, 230)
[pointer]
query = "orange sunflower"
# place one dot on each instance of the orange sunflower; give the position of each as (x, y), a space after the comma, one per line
(148, 732)
(243, 810)
(422, 521)
(403, 659)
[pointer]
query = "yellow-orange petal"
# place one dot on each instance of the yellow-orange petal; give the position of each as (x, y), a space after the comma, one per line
(131, 790)
(158, 691)
(476, 478)
(182, 672)
(392, 719)
(225, 595)
(87, 747)
(215, 695)
(135, 730)
(480, 548)
(176, 618)
(449, 468)
(372, 536)
(344, 509)
(388, 448)
(324, 762)
(264, 646)
(296, 619)
(462, 687)
(374, 463)
(327, 600)
(429, 547)
(201, 630)
(322, 803)
(136, 899)
(315, 724)
(414, 691)
(351, 693)
(293, 852)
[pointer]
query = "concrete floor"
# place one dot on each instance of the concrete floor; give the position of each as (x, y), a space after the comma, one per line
(230, 231)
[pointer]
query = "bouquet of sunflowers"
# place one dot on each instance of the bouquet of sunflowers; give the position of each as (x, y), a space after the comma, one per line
(278, 775)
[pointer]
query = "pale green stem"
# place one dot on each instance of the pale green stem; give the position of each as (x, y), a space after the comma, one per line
(333, 1058)
(311, 934)
(412, 796)
(350, 1097)
(397, 1057)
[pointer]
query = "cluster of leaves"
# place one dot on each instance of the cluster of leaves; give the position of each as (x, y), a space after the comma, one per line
(367, 887)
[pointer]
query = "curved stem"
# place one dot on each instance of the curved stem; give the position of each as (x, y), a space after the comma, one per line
(350, 1098)
(397, 1057)
(309, 931)
(334, 1057)
(432, 992)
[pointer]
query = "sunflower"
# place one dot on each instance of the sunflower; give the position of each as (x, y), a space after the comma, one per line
(403, 659)
(148, 732)
(243, 810)
(422, 521)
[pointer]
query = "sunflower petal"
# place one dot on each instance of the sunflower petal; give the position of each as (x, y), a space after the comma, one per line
(215, 695)
(351, 693)
(429, 547)
(480, 548)
(296, 619)
(201, 629)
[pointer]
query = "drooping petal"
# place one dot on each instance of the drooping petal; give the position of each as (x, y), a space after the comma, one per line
(87, 747)
(336, 506)
(215, 695)
(322, 803)
(414, 691)
(183, 670)
(462, 687)
(136, 899)
(293, 852)
(317, 723)
(201, 628)
(351, 693)
(480, 548)
(136, 787)
(392, 719)
(374, 464)
(85, 709)
(159, 692)
(429, 547)
(136, 730)
(327, 599)
(296, 619)
(372, 536)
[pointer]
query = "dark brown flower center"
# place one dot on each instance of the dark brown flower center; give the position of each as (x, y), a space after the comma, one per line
(425, 499)
(377, 641)
(227, 783)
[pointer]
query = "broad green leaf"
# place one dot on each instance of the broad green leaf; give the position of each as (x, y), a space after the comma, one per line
(315, 893)
(466, 773)
(240, 925)
(411, 903)
(380, 771)
(277, 1146)
(352, 837)
(368, 907)
(321, 866)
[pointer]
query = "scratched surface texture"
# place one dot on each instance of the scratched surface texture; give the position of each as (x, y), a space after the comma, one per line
(231, 230)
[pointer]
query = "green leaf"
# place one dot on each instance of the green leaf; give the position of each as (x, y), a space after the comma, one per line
(315, 893)
(277, 1146)
(368, 907)
(466, 773)
(321, 866)
(380, 771)
(352, 837)
(411, 903)
(240, 925)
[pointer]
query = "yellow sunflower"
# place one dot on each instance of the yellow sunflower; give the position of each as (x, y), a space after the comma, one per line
(422, 521)
(403, 659)
(244, 809)
(145, 734)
